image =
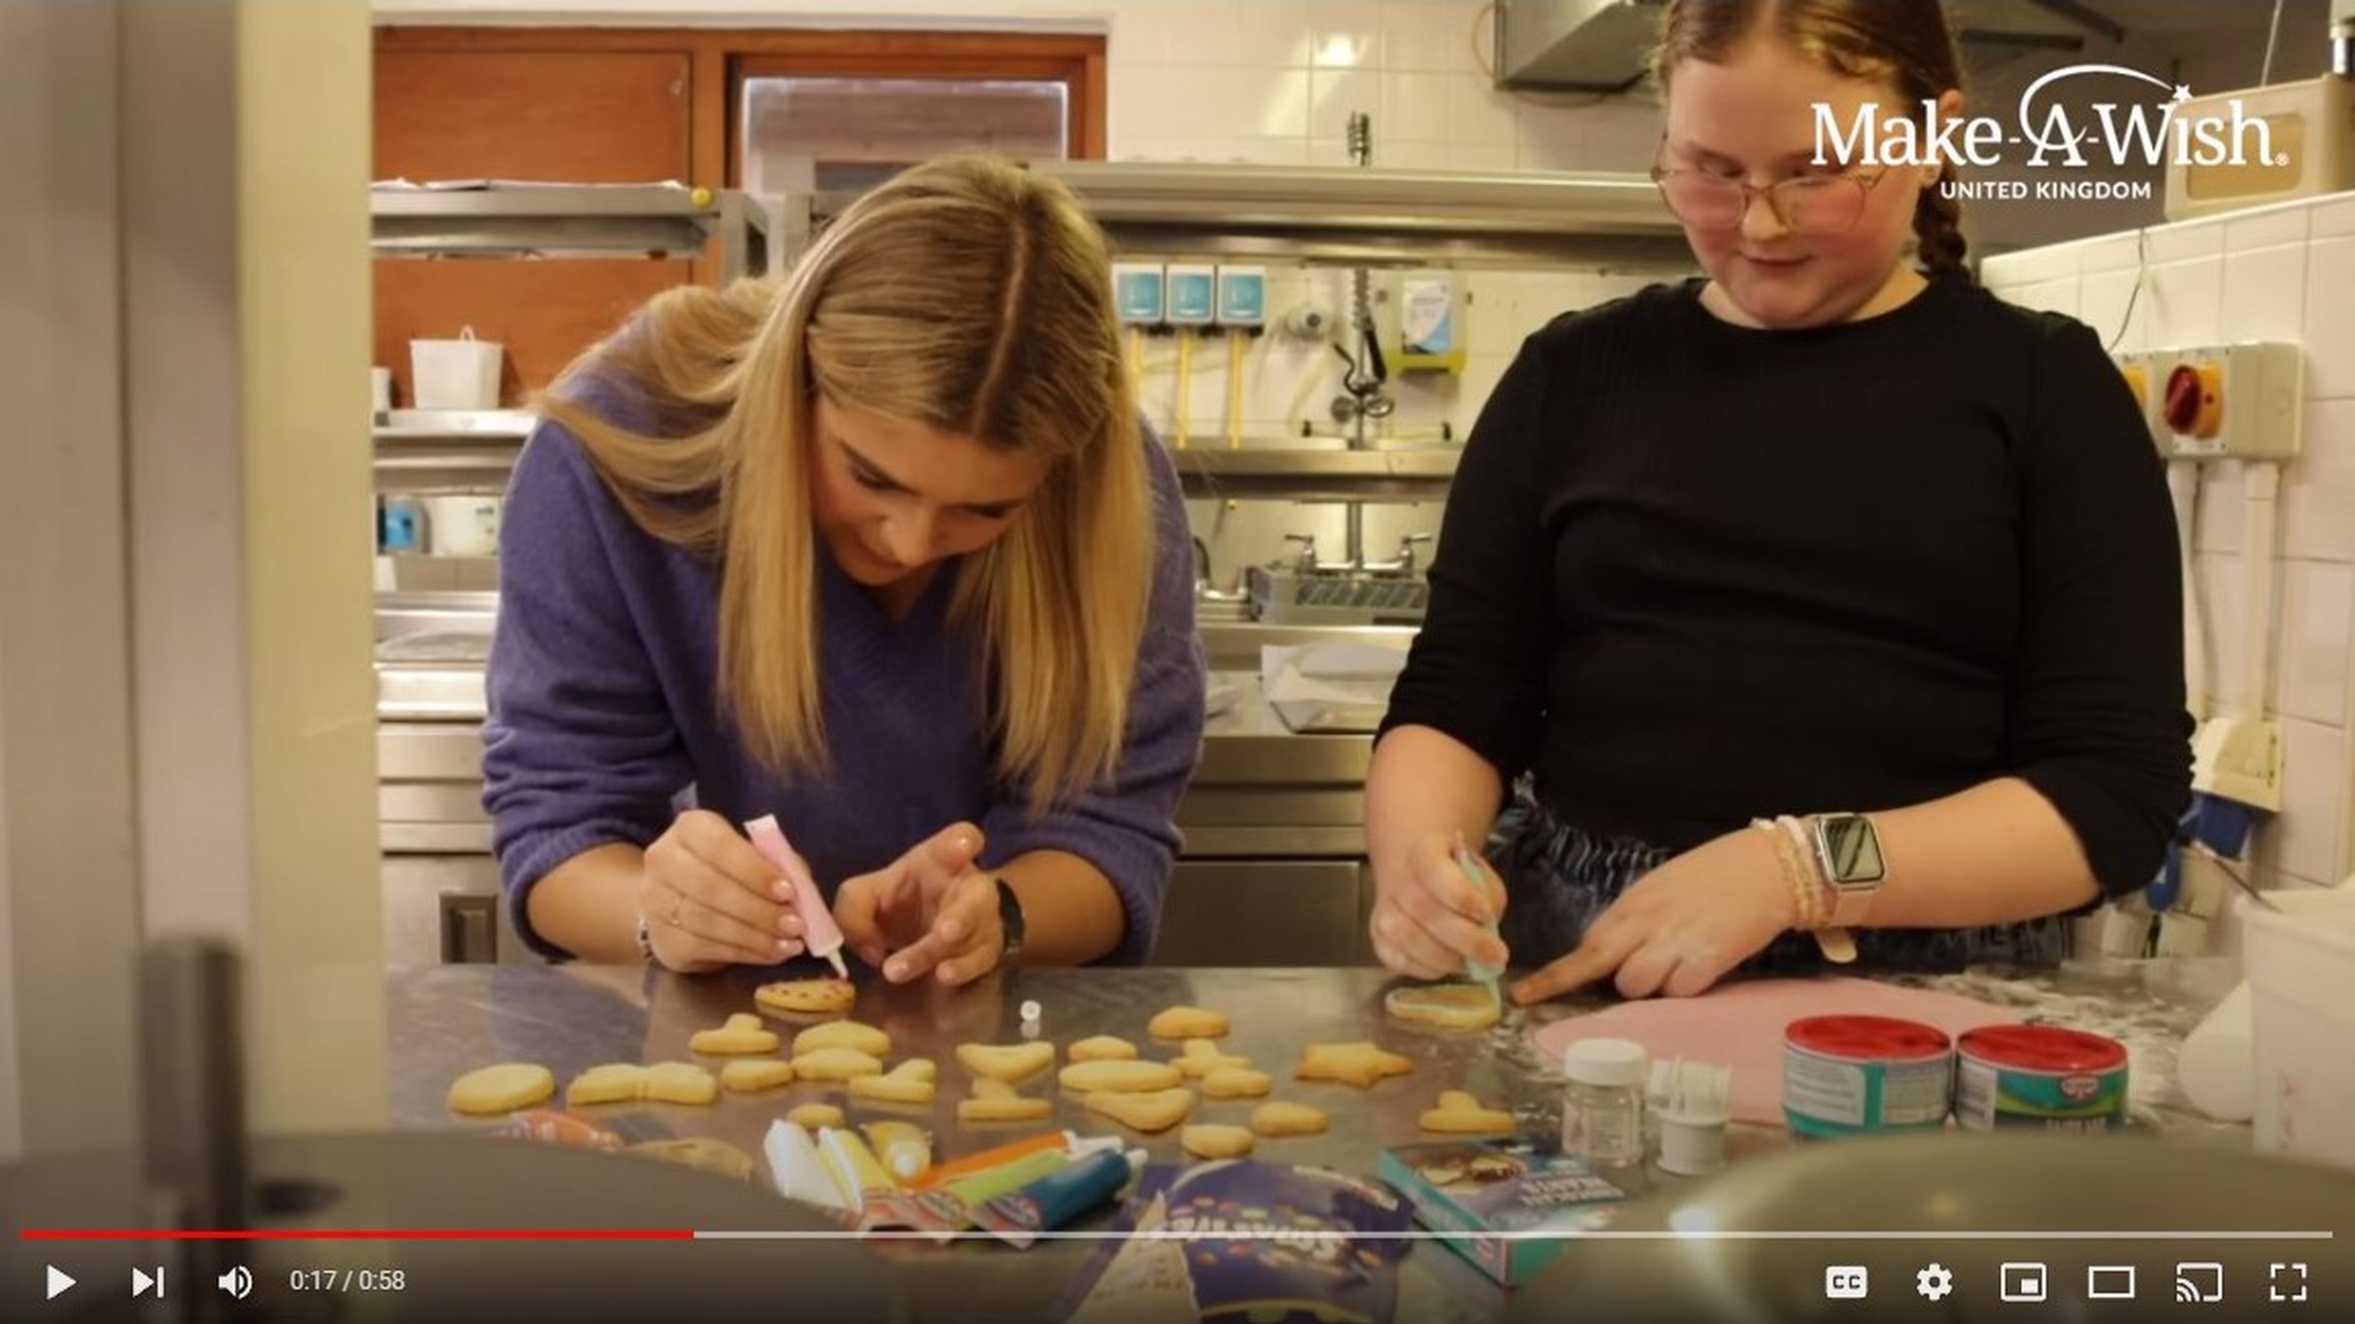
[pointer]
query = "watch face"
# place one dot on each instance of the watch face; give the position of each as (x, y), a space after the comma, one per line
(1852, 850)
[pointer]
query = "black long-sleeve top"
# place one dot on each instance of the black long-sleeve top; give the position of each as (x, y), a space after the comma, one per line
(1692, 573)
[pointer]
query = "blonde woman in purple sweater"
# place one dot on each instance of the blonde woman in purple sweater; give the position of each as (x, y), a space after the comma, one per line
(881, 549)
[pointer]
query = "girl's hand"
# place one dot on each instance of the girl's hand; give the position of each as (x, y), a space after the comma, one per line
(1681, 926)
(1428, 917)
(710, 900)
(927, 912)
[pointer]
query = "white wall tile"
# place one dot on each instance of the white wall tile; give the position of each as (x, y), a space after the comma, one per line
(2266, 226)
(2304, 840)
(1414, 107)
(1432, 35)
(2106, 301)
(2222, 507)
(2332, 216)
(2317, 639)
(1347, 33)
(2330, 318)
(2116, 252)
(2318, 488)
(2185, 240)
(1269, 103)
(2032, 265)
(1169, 34)
(1481, 156)
(2265, 293)
(1268, 32)
(2186, 301)
(1333, 95)
(1478, 113)
(2221, 579)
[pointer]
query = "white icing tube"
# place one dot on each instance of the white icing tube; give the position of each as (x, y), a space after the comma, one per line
(796, 1169)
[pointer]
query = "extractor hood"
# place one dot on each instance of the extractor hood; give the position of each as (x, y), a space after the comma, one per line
(1587, 45)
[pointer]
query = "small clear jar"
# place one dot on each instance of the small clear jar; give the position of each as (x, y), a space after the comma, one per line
(1603, 1109)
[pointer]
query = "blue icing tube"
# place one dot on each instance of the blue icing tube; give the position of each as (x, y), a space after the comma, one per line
(1057, 1198)
(1478, 971)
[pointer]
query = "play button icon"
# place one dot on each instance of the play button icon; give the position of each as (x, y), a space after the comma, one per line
(59, 1280)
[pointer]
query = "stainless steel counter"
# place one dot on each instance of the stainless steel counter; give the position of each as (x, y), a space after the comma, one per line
(449, 1019)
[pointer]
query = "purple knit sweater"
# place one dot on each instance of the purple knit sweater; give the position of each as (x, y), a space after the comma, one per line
(605, 721)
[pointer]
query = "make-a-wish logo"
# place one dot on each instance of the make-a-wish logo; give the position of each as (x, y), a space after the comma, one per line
(2147, 133)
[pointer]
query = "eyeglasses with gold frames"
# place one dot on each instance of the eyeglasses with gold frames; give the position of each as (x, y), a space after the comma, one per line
(1805, 204)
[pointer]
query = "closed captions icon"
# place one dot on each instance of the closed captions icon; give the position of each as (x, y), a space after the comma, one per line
(1845, 1282)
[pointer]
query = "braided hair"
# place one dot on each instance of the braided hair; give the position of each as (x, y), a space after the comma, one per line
(1907, 44)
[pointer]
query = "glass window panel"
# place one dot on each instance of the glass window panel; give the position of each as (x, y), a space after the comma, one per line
(802, 134)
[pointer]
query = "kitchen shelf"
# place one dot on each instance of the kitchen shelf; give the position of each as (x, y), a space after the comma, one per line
(406, 425)
(1423, 473)
(529, 220)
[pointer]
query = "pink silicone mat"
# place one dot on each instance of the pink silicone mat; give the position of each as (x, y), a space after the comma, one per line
(1741, 1026)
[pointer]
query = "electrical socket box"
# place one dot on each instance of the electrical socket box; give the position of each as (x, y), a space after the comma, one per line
(1242, 297)
(1140, 293)
(2239, 758)
(2241, 401)
(1193, 294)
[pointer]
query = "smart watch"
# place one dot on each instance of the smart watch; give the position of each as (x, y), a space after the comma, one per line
(1010, 927)
(1848, 852)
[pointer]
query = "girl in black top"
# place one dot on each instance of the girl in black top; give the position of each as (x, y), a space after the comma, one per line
(1819, 535)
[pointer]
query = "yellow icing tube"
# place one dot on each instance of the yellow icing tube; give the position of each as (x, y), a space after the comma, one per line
(852, 1165)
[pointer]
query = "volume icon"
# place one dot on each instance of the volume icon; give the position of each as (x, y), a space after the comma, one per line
(238, 1282)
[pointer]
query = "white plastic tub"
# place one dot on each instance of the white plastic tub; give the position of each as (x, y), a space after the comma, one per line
(455, 374)
(2301, 964)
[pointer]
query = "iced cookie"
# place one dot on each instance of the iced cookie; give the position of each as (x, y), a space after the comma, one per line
(807, 997)
(501, 1088)
(1448, 1006)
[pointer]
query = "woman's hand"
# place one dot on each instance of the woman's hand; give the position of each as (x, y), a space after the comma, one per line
(1428, 917)
(929, 911)
(1681, 926)
(710, 899)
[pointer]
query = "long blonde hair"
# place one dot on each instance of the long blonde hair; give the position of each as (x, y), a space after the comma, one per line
(966, 295)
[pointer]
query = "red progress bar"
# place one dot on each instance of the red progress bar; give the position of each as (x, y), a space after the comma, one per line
(357, 1234)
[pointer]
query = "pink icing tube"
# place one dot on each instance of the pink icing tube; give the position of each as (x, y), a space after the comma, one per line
(819, 933)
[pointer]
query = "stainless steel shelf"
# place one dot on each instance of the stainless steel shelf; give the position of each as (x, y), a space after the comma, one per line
(577, 220)
(1422, 474)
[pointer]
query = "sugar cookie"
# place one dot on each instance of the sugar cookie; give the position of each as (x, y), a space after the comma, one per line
(1448, 1006)
(909, 1082)
(1213, 1141)
(743, 1033)
(614, 1082)
(807, 997)
(1007, 1062)
(836, 1064)
(812, 1116)
(1101, 1048)
(1119, 1075)
(1202, 1057)
(748, 1074)
(680, 1082)
(1156, 1110)
(1183, 1022)
(997, 1101)
(843, 1034)
(701, 1153)
(501, 1088)
(1278, 1118)
(1234, 1083)
(1360, 1063)
(1461, 1113)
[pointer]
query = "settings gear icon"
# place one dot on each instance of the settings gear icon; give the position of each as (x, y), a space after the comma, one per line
(1935, 1282)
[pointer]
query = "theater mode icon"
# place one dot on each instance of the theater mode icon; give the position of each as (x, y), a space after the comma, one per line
(2109, 1282)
